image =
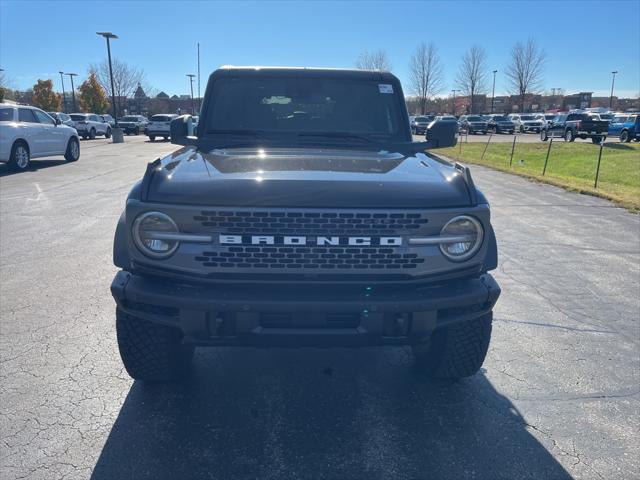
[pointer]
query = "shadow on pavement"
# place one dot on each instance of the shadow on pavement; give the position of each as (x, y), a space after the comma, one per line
(6, 170)
(319, 414)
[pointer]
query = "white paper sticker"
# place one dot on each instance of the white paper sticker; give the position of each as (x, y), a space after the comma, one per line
(385, 88)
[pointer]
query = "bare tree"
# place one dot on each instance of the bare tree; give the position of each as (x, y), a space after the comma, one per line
(525, 69)
(425, 73)
(471, 78)
(376, 60)
(125, 79)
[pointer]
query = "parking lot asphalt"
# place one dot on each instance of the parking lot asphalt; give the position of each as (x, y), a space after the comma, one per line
(558, 396)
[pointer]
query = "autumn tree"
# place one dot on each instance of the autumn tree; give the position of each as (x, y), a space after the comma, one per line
(376, 60)
(472, 74)
(92, 96)
(525, 68)
(425, 73)
(44, 97)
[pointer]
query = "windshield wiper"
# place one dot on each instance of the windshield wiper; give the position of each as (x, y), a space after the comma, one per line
(336, 135)
(256, 133)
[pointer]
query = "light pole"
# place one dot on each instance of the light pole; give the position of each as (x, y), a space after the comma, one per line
(613, 81)
(493, 92)
(73, 90)
(191, 75)
(109, 36)
(454, 100)
(64, 97)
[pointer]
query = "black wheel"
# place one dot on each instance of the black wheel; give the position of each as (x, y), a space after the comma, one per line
(521, 129)
(543, 135)
(73, 150)
(165, 138)
(20, 156)
(92, 133)
(569, 136)
(151, 352)
(624, 136)
(107, 134)
(152, 138)
(596, 140)
(456, 351)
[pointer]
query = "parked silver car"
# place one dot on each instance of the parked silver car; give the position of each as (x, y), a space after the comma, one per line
(62, 117)
(89, 125)
(160, 126)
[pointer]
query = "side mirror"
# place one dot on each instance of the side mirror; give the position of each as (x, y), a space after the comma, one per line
(181, 128)
(442, 134)
(57, 121)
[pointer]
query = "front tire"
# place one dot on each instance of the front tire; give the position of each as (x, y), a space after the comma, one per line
(107, 134)
(569, 136)
(543, 135)
(456, 351)
(596, 140)
(20, 156)
(151, 352)
(92, 134)
(624, 136)
(73, 150)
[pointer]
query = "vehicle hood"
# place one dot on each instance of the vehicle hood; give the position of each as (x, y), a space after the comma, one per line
(304, 177)
(504, 122)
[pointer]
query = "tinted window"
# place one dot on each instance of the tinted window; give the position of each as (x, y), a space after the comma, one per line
(26, 115)
(43, 117)
(95, 118)
(500, 119)
(129, 119)
(161, 118)
(474, 119)
(422, 119)
(306, 105)
(6, 114)
(64, 117)
(78, 118)
(527, 117)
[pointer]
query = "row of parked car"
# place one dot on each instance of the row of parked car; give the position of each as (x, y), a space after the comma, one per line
(569, 126)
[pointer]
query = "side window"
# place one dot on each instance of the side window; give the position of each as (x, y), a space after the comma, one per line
(64, 117)
(26, 115)
(43, 117)
(6, 114)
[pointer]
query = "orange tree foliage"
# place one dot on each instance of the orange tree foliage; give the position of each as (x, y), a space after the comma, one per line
(93, 98)
(44, 97)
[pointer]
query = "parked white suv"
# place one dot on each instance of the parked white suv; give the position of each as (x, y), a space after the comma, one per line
(28, 132)
(160, 126)
(526, 123)
(89, 125)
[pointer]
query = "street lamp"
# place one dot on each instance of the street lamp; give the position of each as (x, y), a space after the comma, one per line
(64, 97)
(613, 81)
(109, 36)
(73, 90)
(493, 93)
(191, 75)
(454, 100)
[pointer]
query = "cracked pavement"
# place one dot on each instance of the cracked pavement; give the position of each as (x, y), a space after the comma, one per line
(558, 396)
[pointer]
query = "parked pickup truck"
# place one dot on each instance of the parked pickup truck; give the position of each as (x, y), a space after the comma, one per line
(625, 127)
(303, 214)
(575, 125)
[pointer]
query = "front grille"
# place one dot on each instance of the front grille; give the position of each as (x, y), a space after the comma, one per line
(318, 258)
(305, 223)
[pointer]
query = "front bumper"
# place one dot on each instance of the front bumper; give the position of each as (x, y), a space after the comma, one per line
(158, 133)
(532, 128)
(294, 317)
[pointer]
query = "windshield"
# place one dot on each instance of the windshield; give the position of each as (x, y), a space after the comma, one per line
(422, 119)
(549, 117)
(500, 119)
(128, 119)
(606, 116)
(161, 118)
(527, 117)
(314, 106)
(474, 119)
(78, 117)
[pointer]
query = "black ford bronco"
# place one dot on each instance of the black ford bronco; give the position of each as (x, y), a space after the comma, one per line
(303, 214)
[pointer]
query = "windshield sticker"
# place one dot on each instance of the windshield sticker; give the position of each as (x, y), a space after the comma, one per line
(385, 88)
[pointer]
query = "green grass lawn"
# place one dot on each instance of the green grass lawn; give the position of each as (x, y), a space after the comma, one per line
(571, 165)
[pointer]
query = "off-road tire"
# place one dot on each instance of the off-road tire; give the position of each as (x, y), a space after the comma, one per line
(624, 136)
(151, 352)
(455, 351)
(69, 154)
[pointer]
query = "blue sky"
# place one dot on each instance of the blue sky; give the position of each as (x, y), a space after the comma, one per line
(584, 40)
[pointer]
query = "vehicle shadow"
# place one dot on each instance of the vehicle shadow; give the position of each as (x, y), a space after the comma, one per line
(618, 146)
(320, 414)
(34, 165)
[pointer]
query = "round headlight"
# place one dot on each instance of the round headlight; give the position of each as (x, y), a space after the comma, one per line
(464, 235)
(150, 231)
